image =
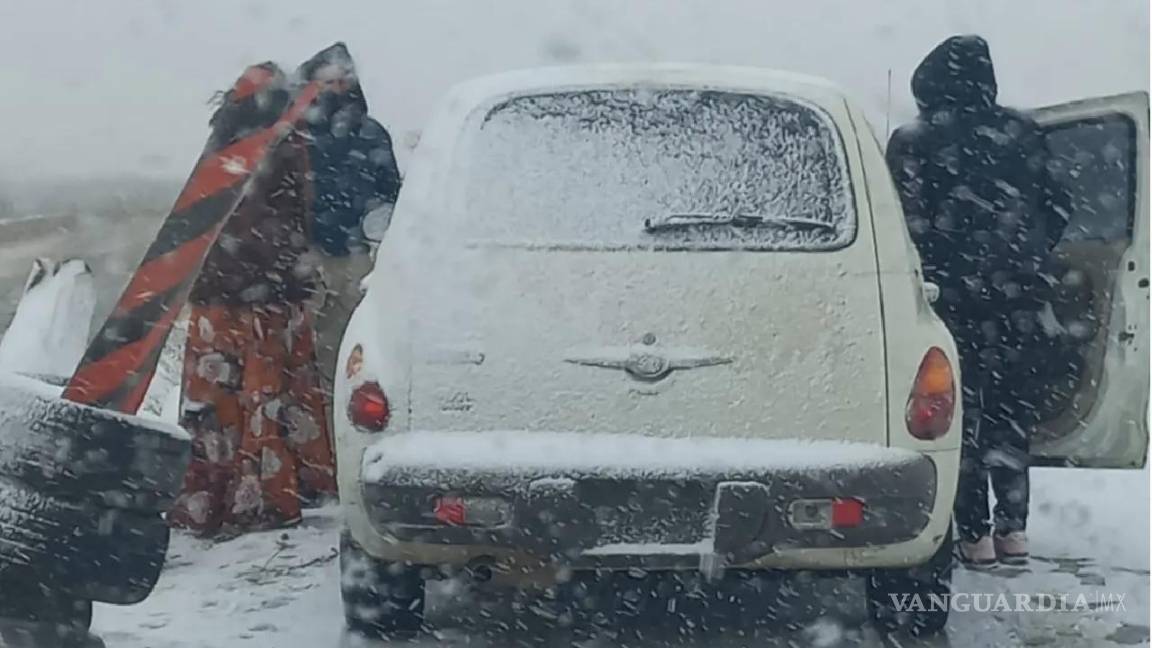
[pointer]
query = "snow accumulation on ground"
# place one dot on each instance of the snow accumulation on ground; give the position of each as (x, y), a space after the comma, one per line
(280, 589)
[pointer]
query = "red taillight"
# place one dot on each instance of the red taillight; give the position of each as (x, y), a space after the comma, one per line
(368, 408)
(933, 399)
(825, 513)
(847, 513)
(450, 511)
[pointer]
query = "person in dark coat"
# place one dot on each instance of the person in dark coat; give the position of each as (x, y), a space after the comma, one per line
(354, 173)
(985, 214)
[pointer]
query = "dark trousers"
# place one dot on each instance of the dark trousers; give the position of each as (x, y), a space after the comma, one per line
(995, 449)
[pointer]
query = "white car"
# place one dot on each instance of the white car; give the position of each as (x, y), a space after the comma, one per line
(670, 318)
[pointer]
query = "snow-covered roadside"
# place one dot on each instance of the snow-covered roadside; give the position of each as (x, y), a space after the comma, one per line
(1089, 536)
(1095, 513)
(281, 588)
(275, 588)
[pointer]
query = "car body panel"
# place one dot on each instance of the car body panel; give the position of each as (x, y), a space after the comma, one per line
(549, 327)
(575, 317)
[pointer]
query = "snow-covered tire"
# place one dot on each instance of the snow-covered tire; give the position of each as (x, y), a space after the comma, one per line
(72, 451)
(81, 549)
(382, 600)
(931, 582)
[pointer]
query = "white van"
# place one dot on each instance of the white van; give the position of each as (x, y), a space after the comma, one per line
(670, 318)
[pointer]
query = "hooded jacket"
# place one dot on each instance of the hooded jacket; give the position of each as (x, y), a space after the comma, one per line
(354, 171)
(979, 200)
(353, 166)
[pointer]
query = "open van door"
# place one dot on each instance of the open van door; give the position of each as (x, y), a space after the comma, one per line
(1099, 152)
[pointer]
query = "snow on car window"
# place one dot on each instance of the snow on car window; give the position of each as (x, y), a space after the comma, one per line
(590, 167)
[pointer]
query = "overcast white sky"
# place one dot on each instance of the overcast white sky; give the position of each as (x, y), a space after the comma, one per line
(115, 87)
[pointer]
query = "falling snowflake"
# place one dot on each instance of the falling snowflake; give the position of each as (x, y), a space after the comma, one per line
(235, 165)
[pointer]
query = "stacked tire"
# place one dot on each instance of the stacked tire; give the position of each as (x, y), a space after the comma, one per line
(82, 496)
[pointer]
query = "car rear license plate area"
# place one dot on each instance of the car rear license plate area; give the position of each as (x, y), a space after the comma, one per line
(632, 511)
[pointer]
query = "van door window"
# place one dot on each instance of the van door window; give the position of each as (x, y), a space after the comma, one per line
(1093, 160)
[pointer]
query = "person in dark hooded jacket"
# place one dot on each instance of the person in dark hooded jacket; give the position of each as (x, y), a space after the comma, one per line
(985, 215)
(354, 173)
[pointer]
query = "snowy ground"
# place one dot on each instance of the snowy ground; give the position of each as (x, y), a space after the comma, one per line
(1089, 530)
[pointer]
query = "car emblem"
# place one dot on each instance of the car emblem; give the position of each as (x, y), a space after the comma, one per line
(647, 365)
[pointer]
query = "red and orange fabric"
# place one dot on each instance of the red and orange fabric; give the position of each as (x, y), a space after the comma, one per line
(251, 394)
(234, 247)
(253, 405)
(120, 361)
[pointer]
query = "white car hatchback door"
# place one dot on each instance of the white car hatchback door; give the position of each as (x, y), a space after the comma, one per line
(647, 258)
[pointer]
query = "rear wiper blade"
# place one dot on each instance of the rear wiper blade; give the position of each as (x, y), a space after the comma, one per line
(687, 221)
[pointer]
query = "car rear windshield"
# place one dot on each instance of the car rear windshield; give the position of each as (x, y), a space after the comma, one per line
(656, 168)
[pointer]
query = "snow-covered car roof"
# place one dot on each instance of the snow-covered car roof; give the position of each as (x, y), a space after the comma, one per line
(689, 75)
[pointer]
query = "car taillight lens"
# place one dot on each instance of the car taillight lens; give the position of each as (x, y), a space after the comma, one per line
(932, 402)
(847, 513)
(368, 408)
(825, 513)
(451, 511)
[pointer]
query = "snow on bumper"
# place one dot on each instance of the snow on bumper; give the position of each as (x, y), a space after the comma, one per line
(617, 500)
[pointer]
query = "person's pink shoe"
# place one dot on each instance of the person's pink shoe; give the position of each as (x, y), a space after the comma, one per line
(1012, 548)
(980, 554)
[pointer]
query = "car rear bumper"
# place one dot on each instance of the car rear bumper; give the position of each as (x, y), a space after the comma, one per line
(622, 516)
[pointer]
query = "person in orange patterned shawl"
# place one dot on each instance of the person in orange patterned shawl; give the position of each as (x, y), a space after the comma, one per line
(251, 394)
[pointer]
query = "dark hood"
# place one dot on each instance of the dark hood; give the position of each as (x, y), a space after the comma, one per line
(336, 54)
(958, 73)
